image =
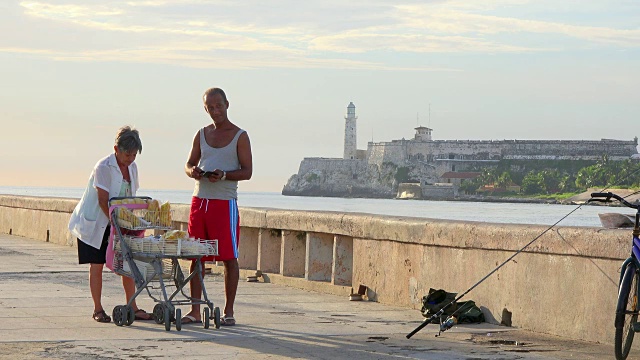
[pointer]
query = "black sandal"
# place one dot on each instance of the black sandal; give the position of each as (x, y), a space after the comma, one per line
(101, 316)
(141, 316)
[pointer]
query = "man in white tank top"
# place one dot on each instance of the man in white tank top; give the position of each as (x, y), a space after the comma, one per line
(219, 158)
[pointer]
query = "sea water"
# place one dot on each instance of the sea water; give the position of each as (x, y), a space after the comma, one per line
(542, 214)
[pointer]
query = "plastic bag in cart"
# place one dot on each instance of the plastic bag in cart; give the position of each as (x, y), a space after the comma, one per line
(110, 247)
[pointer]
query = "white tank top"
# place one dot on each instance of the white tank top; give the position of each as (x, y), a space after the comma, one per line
(225, 158)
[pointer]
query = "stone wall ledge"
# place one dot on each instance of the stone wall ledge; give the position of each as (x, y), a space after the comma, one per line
(38, 203)
(574, 241)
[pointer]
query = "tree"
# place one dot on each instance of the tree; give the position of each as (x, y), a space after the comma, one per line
(469, 186)
(567, 183)
(533, 183)
(552, 179)
(503, 180)
(489, 176)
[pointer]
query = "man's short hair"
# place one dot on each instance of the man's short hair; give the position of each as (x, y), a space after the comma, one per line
(213, 91)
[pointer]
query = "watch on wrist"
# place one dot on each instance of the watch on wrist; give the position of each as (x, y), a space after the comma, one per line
(224, 175)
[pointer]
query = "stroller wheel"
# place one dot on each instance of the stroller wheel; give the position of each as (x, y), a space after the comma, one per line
(130, 315)
(158, 313)
(167, 318)
(178, 319)
(119, 315)
(205, 317)
(216, 317)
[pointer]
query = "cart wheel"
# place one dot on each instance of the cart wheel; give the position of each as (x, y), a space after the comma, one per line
(158, 313)
(178, 319)
(205, 317)
(119, 315)
(131, 315)
(167, 318)
(216, 317)
(115, 314)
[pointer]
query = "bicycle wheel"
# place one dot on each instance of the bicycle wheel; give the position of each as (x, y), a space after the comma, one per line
(626, 311)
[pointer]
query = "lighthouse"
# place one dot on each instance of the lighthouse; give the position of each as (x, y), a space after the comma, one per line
(350, 144)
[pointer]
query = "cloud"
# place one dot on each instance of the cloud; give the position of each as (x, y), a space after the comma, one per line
(454, 19)
(29, 51)
(196, 58)
(411, 43)
(67, 11)
(313, 34)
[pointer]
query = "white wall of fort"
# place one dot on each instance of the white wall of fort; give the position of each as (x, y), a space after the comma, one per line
(394, 152)
(569, 147)
(311, 165)
(457, 149)
(401, 151)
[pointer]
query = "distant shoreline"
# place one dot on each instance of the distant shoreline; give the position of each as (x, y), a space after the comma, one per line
(578, 199)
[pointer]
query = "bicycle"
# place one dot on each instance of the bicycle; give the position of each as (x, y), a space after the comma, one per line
(627, 308)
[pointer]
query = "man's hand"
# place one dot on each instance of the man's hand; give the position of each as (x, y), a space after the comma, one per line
(196, 173)
(216, 175)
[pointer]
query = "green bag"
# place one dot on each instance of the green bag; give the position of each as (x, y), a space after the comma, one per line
(469, 313)
(436, 300)
(466, 312)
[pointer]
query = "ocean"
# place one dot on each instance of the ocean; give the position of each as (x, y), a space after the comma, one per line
(507, 213)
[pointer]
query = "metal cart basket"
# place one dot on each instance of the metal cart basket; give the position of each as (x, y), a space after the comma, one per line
(153, 260)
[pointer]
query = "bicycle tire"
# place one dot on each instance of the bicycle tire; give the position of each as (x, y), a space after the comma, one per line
(626, 311)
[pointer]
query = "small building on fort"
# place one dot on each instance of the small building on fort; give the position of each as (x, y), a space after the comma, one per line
(377, 171)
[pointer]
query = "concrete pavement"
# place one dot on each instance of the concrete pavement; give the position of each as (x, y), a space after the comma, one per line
(45, 312)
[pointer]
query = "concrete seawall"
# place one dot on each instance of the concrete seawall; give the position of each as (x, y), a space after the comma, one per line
(564, 284)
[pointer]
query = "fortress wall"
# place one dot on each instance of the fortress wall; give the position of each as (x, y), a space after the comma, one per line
(445, 166)
(564, 284)
(441, 149)
(490, 149)
(330, 165)
(563, 157)
(375, 153)
(570, 148)
(394, 152)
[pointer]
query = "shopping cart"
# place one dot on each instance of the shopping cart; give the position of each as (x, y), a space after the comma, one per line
(153, 260)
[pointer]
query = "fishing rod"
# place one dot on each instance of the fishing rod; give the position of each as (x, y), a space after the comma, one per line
(451, 321)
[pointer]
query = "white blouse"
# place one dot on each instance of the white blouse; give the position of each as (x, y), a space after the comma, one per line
(88, 221)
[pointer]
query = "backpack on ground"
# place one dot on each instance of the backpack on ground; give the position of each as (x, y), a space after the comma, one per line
(469, 313)
(465, 311)
(437, 300)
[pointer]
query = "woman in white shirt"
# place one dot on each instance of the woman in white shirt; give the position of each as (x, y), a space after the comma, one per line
(114, 175)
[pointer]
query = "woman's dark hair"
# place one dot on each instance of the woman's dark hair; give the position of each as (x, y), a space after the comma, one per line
(128, 139)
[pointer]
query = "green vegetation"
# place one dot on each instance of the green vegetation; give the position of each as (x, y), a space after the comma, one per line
(548, 179)
(312, 177)
(402, 174)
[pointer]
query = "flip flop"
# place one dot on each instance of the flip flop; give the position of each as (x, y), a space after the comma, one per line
(227, 321)
(188, 319)
(140, 311)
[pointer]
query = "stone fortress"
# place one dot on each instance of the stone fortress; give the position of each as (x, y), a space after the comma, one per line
(430, 164)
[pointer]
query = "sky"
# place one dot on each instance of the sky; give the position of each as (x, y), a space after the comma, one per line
(74, 71)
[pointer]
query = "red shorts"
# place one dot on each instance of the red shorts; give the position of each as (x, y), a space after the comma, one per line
(212, 219)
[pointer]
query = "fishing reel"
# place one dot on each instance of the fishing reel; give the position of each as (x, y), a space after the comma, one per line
(444, 325)
(447, 324)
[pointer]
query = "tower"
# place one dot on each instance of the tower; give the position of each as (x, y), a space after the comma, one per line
(423, 133)
(350, 144)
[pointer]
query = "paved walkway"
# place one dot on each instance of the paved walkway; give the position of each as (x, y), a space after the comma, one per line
(45, 312)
